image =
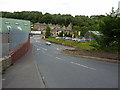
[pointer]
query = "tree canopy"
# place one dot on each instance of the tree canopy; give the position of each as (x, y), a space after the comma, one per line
(109, 27)
(47, 34)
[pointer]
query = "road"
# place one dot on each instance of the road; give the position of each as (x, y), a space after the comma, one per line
(61, 71)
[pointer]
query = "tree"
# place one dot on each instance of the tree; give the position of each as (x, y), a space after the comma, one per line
(65, 34)
(47, 34)
(61, 34)
(109, 27)
(76, 28)
(69, 35)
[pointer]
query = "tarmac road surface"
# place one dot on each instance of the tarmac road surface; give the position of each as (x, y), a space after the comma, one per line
(60, 71)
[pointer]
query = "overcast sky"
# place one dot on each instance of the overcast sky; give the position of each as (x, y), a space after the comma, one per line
(73, 7)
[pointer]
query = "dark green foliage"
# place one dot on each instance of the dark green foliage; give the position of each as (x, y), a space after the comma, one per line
(47, 34)
(69, 35)
(61, 34)
(65, 34)
(109, 26)
(76, 28)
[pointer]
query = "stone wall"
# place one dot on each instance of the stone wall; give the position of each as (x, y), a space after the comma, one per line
(5, 62)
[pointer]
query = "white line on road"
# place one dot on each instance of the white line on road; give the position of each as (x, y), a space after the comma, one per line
(60, 58)
(38, 49)
(37, 41)
(93, 68)
(43, 77)
(3, 79)
(82, 65)
(58, 49)
(41, 47)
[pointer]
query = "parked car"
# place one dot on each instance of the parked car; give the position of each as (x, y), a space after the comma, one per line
(74, 39)
(59, 37)
(81, 40)
(48, 43)
(68, 38)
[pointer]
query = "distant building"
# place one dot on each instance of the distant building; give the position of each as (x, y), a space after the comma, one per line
(55, 29)
(36, 26)
(88, 34)
(118, 12)
(119, 6)
(15, 38)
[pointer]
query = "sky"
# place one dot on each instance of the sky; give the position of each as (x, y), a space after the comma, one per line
(73, 7)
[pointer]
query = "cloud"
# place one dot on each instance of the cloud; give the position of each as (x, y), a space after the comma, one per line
(74, 7)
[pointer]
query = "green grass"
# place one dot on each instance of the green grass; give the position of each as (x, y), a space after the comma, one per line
(85, 45)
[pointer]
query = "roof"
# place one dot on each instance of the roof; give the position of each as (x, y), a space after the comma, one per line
(96, 32)
(22, 25)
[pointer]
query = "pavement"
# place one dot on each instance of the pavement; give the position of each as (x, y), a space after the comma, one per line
(23, 74)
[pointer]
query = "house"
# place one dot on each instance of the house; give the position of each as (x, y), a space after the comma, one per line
(118, 11)
(55, 29)
(88, 35)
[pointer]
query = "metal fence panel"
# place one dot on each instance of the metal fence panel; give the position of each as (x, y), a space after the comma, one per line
(17, 37)
(13, 33)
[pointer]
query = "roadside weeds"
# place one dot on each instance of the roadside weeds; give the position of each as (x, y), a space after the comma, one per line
(92, 58)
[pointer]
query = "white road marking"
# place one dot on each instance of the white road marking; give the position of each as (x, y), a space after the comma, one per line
(37, 41)
(58, 49)
(38, 49)
(60, 58)
(43, 78)
(93, 68)
(3, 79)
(82, 65)
(36, 38)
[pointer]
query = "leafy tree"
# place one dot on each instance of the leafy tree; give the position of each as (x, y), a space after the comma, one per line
(76, 28)
(109, 26)
(61, 34)
(69, 35)
(47, 34)
(65, 34)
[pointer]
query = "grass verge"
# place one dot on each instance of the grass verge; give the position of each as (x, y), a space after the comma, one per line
(85, 50)
(85, 45)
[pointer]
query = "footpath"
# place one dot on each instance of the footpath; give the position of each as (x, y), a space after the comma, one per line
(23, 74)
